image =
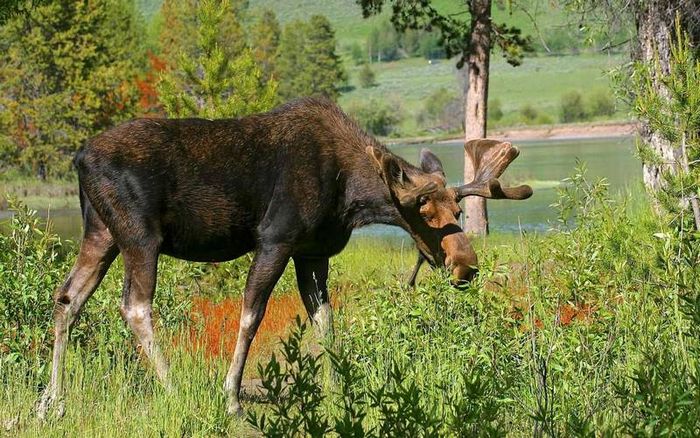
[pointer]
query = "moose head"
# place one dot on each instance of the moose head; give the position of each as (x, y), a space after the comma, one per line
(431, 209)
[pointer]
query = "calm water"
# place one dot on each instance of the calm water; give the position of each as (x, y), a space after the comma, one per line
(542, 164)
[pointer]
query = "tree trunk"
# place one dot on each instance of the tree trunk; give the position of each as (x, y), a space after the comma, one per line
(655, 23)
(475, 107)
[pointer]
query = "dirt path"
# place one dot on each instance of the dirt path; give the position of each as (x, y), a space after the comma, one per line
(534, 133)
(561, 132)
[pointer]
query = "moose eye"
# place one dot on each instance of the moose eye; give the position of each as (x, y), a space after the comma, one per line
(422, 200)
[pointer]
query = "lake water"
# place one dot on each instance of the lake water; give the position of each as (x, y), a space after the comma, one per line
(542, 164)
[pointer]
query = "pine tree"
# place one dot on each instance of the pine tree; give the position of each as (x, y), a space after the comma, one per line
(307, 64)
(211, 85)
(324, 68)
(265, 40)
(290, 61)
(67, 71)
(180, 24)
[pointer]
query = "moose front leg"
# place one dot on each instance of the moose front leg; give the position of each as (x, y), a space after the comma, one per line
(312, 278)
(416, 269)
(268, 265)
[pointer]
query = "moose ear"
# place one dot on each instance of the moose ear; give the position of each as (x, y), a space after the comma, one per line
(404, 192)
(389, 168)
(430, 163)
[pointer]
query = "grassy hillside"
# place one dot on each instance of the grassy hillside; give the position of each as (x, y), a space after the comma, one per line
(540, 82)
(346, 16)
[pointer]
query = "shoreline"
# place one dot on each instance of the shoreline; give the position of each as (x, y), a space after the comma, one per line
(574, 131)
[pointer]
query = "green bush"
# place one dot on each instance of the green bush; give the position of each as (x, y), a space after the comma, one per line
(442, 109)
(543, 119)
(366, 77)
(34, 262)
(528, 113)
(495, 110)
(587, 331)
(601, 103)
(300, 406)
(572, 108)
(376, 117)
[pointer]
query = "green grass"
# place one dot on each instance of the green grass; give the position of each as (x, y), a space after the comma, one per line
(540, 82)
(585, 330)
(53, 195)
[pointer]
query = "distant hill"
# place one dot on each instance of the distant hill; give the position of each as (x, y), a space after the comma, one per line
(552, 23)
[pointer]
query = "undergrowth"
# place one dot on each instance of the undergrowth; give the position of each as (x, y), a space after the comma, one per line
(586, 330)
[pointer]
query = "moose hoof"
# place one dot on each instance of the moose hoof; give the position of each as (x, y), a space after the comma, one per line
(48, 404)
(236, 409)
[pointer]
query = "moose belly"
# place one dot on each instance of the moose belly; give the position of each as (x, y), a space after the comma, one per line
(207, 246)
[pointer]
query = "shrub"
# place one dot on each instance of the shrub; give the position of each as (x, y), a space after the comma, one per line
(299, 405)
(443, 109)
(366, 77)
(376, 117)
(572, 108)
(601, 104)
(528, 113)
(495, 110)
(34, 262)
(543, 119)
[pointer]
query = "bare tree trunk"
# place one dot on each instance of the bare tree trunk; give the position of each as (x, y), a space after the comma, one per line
(476, 215)
(655, 21)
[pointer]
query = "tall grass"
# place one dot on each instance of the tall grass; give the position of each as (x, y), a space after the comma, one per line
(588, 329)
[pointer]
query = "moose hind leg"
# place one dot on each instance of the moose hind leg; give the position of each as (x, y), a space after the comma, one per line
(312, 279)
(97, 252)
(268, 265)
(140, 271)
(140, 267)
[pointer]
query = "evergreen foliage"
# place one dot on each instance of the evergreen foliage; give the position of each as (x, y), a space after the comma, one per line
(211, 85)
(181, 24)
(67, 71)
(308, 64)
(265, 41)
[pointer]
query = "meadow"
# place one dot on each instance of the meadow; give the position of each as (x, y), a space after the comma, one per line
(539, 83)
(584, 330)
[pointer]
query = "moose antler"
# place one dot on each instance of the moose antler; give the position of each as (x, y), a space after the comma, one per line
(490, 159)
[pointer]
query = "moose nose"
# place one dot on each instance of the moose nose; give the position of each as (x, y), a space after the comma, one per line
(463, 267)
(460, 258)
(462, 275)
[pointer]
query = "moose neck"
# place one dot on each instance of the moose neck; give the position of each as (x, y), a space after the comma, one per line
(367, 198)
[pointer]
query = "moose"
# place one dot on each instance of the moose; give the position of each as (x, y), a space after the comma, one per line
(292, 183)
